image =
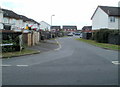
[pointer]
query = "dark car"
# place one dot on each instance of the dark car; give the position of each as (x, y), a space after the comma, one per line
(77, 33)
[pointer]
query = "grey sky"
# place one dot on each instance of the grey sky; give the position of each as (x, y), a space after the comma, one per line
(67, 12)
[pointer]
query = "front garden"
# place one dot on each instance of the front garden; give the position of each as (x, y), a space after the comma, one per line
(105, 38)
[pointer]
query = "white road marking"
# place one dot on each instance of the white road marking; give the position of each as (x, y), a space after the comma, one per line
(59, 45)
(14, 65)
(22, 65)
(5, 65)
(116, 62)
(58, 48)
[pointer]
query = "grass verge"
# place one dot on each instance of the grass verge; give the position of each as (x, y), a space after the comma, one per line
(20, 53)
(102, 45)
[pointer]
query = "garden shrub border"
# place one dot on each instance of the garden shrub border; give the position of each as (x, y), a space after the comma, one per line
(104, 35)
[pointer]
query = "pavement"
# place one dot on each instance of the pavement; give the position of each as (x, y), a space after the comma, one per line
(74, 63)
(45, 45)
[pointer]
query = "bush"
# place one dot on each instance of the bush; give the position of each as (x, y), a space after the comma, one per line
(11, 39)
(102, 35)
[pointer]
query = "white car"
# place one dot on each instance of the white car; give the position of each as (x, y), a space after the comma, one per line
(70, 34)
(81, 35)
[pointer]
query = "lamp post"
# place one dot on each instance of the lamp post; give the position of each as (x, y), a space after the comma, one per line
(51, 25)
(51, 22)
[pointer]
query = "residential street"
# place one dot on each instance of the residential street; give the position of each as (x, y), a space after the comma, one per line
(73, 63)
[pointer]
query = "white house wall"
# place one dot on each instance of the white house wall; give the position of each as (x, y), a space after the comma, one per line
(119, 18)
(114, 25)
(1, 19)
(16, 23)
(20, 23)
(99, 20)
(44, 26)
(35, 26)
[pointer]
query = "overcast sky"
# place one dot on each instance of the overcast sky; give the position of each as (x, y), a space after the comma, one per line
(67, 12)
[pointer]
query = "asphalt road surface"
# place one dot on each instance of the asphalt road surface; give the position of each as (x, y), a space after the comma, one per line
(73, 63)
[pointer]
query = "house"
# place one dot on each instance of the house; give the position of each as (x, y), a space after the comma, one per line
(28, 22)
(106, 17)
(119, 4)
(44, 26)
(87, 32)
(69, 28)
(10, 19)
(33, 24)
(1, 19)
(18, 23)
(55, 28)
(87, 28)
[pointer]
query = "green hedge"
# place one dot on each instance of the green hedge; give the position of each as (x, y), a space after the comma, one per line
(102, 35)
(11, 38)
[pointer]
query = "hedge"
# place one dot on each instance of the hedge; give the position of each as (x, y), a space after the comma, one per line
(103, 35)
(10, 38)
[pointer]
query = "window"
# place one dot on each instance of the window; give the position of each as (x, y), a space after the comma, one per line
(7, 27)
(14, 21)
(5, 20)
(112, 19)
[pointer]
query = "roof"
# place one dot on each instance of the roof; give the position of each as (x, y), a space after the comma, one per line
(24, 18)
(33, 21)
(45, 22)
(111, 11)
(88, 31)
(87, 27)
(11, 14)
(55, 27)
(69, 27)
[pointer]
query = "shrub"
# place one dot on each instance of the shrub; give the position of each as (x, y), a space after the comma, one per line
(102, 35)
(11, 39)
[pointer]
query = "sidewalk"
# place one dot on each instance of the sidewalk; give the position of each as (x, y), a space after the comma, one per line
(43, 46)
(46, 45)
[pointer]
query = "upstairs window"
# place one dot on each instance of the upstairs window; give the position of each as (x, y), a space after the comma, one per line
(5, 20)
(112, 19)
(14, 21)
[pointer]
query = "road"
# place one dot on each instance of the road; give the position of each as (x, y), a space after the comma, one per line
(73, 63)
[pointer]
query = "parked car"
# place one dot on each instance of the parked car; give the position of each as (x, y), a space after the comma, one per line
(70, 34)
(77, 34)
(81, 35)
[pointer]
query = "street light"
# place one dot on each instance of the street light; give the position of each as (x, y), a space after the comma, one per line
(51, 21)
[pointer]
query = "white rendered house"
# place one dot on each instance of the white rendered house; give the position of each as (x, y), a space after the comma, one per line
(106, 17)
(1, 19)
(13, 21)
(44, 26)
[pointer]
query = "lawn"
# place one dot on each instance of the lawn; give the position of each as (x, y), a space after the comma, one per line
(102, 45)
(19, 53)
